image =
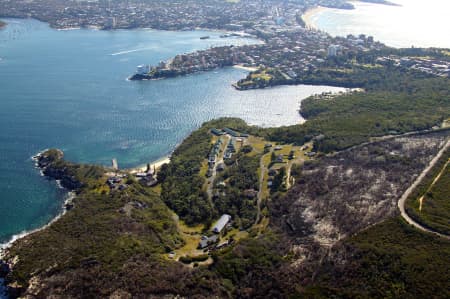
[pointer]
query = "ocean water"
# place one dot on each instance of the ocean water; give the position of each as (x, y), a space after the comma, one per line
(414, 23)
(68, 89)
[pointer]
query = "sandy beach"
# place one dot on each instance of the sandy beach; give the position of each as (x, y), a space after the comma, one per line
(155, 164)
(247, 68)
(69, 197)
(308, 16)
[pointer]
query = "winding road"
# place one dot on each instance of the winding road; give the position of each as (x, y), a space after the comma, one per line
(401, 202)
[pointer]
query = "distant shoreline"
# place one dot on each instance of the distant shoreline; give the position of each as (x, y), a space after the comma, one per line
(308, 16)
(246, 68)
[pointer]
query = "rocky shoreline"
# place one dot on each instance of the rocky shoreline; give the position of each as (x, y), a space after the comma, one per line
(48, 162)
(52, 166)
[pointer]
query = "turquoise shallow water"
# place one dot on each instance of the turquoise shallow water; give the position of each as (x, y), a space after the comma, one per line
(68, 89)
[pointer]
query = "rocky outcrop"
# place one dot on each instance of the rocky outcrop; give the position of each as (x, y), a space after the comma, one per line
(7, 287)
(53, 166)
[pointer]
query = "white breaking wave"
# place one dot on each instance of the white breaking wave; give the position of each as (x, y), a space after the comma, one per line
(4, 246)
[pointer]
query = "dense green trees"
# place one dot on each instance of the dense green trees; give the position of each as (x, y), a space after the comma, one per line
(394, 102)
(238, 196)
(182, 185)
(278, 181)
(389, 260)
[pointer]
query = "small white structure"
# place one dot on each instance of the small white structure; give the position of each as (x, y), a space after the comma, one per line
(221, 223)
(115, 165)
(142, 69)
(333, 50)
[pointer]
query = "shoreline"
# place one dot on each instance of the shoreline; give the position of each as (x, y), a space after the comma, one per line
(153, 164)
(309, 14)
(68, 199)
(70, 196)
(233, 33)
(245, 68)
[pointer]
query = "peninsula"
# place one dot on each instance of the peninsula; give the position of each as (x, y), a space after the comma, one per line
(239, 211)
(242, 211)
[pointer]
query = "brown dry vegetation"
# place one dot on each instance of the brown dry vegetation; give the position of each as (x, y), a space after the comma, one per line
(342, 194)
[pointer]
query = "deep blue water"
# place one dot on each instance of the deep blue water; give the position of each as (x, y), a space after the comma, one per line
(68, 89)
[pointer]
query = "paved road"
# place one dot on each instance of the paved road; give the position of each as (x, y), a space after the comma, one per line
(401, 202)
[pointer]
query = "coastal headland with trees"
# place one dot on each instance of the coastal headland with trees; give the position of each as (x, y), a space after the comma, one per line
(284, 189)
(311, 208)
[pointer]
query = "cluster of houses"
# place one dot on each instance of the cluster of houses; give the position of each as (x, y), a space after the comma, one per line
(229, 150)
(211, 242)
(292, 51)
(228, 131)
(115, 181)
(147, 178)
(214, 153)
(424, 64)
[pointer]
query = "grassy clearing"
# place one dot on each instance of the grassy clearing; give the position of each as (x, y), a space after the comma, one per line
(203, 168)
(257, 143)
(436, 203)
(236, 234)
(263, 75)
(430, 203)
(191, 236)
(157, 189)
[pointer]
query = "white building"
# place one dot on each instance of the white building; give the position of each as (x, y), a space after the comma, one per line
(333, 50)
(221, 223)
(143, 69)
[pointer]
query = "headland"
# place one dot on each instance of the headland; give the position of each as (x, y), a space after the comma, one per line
(282, 188)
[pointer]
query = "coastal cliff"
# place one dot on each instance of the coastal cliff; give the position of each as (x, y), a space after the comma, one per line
(117, 242)
(106, 234)
(52, 165)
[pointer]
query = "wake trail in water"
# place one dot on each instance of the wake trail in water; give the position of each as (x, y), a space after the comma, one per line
(129, 51)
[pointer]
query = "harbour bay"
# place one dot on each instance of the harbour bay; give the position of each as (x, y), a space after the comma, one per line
(68, 89)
